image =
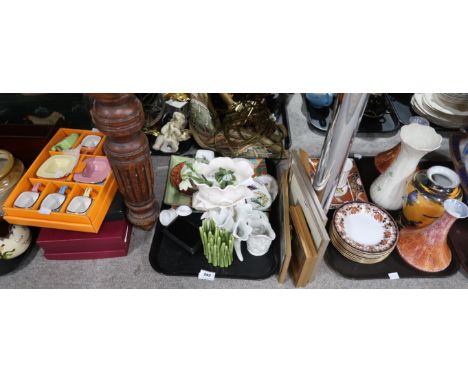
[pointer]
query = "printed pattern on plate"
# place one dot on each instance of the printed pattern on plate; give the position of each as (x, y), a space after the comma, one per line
(390, 235)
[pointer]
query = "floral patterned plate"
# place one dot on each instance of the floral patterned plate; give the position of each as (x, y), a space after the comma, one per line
(365, 227)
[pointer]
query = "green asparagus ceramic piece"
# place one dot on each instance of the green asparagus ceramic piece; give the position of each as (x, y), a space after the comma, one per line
(218, 244)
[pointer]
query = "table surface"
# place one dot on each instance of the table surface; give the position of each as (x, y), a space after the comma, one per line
(134, 270)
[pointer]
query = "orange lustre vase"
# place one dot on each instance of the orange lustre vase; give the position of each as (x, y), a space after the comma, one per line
(426, 248)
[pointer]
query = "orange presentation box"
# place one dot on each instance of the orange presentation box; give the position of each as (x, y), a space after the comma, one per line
(102, 194)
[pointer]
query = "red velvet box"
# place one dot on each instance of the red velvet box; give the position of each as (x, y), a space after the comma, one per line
(112, 240)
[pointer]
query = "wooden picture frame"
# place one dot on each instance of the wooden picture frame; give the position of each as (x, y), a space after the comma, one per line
(285, 227)
(305, 257)
(301, 169)
(301, 194)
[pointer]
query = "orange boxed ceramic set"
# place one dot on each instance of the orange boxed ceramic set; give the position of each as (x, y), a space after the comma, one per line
(80, 205)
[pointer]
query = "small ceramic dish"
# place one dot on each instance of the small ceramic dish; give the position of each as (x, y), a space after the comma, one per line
(66, 143)
(183, 211)
(166, 217)
(96, 171)
(91, 141)
(53, 202)
(57, 166)
(80, 204)
(27, 198)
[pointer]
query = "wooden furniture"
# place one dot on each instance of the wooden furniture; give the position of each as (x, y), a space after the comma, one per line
(120, 117)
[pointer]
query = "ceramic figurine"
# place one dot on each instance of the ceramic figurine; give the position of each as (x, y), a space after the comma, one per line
(15, 242)
(426, 248)
(426, 193)
(172, 133)
(388, 190)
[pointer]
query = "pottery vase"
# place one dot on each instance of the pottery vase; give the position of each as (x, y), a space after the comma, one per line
(388, 190)
(426, 249)
(383, 160)
(425, 195)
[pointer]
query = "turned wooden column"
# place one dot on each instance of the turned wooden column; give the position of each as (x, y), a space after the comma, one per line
(120, 117)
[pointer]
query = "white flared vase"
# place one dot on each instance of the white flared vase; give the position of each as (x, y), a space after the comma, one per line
(388, 190)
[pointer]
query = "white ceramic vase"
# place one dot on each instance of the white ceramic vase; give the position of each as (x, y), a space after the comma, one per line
(262, 234)
(388, 190)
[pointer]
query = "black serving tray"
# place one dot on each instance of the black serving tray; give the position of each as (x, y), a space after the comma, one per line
(168, 257)
(393, 263)
(117, 209)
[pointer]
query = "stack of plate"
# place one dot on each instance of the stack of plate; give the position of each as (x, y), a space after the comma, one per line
(363, 232)
(448, 110)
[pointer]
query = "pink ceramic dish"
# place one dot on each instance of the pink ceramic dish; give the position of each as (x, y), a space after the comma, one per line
(95, 171)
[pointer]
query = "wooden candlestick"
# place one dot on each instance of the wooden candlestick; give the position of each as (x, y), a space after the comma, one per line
(120, 117)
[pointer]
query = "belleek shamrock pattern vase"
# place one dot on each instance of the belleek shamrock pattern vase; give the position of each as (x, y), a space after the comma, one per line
(389, 189)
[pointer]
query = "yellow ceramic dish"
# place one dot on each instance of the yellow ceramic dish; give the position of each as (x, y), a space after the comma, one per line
(57, 167)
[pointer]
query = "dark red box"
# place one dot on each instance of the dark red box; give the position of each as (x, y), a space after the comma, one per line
(112, 240)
